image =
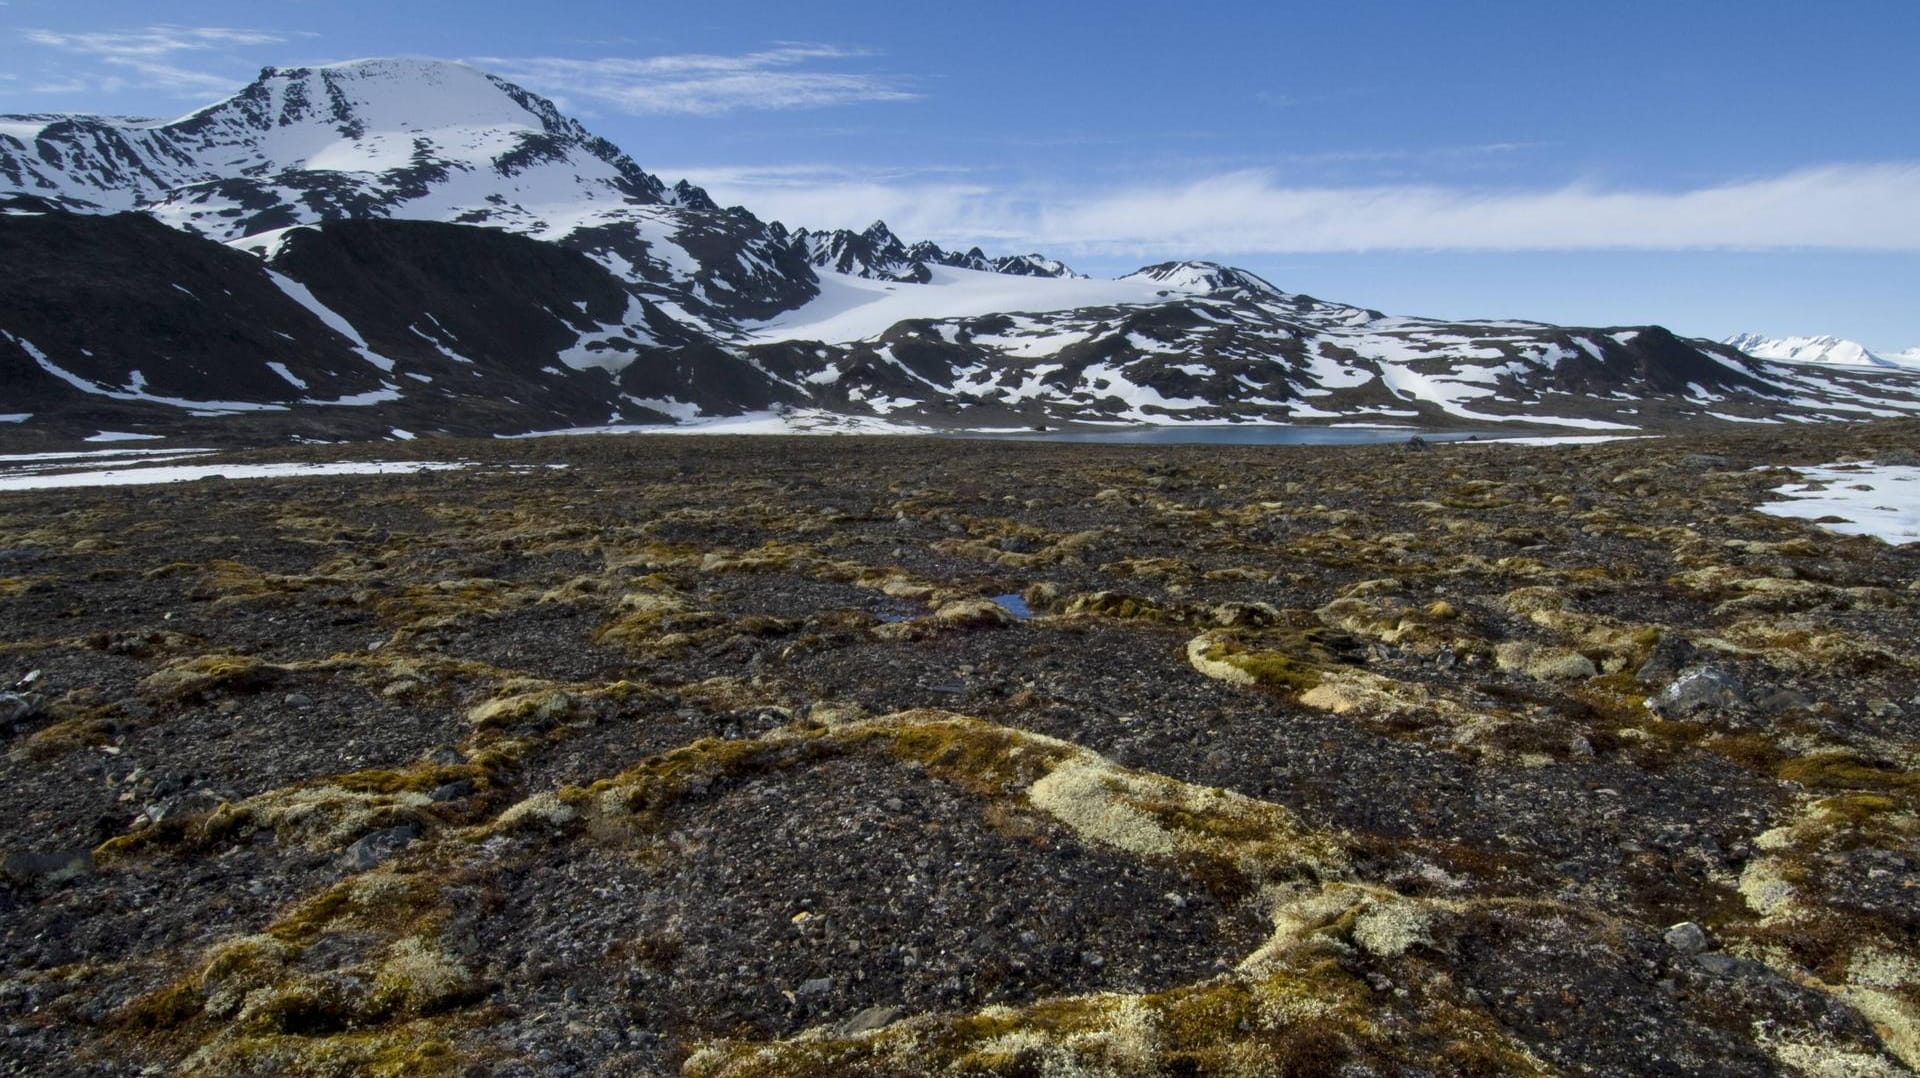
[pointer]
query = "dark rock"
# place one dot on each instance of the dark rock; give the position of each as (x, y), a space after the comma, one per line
(1671, 654)
(16, 708)
(1720, 964)
(873, 1017)
(452, 791)
(183, 805)
(1687, 938)
(371, 849)
(58, 866)
(1699, 690)
(1784, 701)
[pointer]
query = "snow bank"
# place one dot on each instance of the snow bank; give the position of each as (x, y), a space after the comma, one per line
(1881, 500)
(186, 473)
(852, 308)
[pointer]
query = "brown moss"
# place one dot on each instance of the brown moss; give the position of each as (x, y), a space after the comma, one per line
(421, 779)
(163, 1008)
(1294, 660)
(190, 678)
(176, 834)
(990, 760)
(72, 728)
(1277, 670)
(1114, 604)
(639, 797)
(1847, 770)
(21, 585)
(1756, 752)
(396, 1052)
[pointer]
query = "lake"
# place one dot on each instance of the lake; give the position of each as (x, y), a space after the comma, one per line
(1232, 434)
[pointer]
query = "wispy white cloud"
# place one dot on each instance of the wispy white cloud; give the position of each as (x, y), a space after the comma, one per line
(159, 40)
(153, 57)
(63, 86)
(1861, 207)
(793, 76)
(153, 75)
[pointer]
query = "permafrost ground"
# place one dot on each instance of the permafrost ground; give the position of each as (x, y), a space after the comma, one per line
(717, 758)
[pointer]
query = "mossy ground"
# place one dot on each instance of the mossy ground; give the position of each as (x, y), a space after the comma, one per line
(1358, 738)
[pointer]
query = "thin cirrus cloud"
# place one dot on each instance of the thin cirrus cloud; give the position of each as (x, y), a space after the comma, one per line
(152, 41)
(702, 84)
(1856, 207)
(150, 58)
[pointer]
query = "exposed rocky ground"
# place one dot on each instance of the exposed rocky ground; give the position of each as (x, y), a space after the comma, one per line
(717, 757)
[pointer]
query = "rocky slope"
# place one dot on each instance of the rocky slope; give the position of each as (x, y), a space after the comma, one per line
(641, 756)
(119, 323)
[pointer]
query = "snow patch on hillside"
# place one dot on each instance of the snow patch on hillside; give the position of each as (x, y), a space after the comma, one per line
(187, 473)
(1881, 500)
(851, 308)
(305, 298)
(135, 391)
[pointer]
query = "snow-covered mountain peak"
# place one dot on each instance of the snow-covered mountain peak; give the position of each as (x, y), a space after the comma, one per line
(1193, 276)
(400, 95)
(1033, 265)
(1822, 349)
(434, 140)
(424, 139)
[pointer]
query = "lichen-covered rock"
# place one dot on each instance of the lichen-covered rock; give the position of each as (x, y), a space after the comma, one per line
(974, 614)
(1698, 690)
(1543, 662)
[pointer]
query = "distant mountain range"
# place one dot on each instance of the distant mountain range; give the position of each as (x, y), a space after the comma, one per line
(1821, 350)
(399, 245)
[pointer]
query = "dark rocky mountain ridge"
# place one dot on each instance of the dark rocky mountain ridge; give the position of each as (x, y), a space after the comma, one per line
(877, 253)
(513, 272)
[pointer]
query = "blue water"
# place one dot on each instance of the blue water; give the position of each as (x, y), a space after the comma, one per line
(1232, 434)
(1014, 605)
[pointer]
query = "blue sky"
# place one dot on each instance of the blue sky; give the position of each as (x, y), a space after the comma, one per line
(1711, 166)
